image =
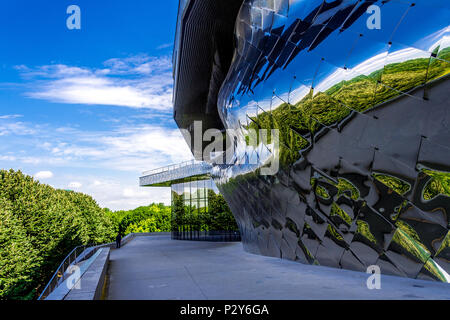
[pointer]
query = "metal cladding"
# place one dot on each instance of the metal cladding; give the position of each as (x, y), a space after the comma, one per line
(364, 124)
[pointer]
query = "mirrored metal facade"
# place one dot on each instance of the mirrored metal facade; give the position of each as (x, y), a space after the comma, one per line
(363, 115)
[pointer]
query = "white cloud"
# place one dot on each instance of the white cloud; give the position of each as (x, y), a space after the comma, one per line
(15, 128)
(133, 148)
(164, 46)
(7, 158)
(136, 82)
(104, 163)
(139, 64)
(136, 194)
(43, 175)
(118, 157)
(75, 185)
(120, 193)
(11, 116)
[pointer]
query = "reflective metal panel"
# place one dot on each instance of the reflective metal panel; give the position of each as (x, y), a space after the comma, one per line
(364, 122)
(359, 93)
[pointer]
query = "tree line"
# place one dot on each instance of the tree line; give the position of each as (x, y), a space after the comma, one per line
(40, 225)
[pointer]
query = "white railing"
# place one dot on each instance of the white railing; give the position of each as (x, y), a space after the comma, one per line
(170, 167)
(174, 172)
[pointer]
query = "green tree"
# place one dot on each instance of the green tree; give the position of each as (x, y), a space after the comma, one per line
(19, 260)
(220, 214)
(43, 225)
(160, 214)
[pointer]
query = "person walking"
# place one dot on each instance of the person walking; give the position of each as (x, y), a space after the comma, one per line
(118, 240)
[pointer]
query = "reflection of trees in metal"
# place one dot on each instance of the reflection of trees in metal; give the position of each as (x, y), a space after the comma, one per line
(329, 108)
(285, 41)
(363, 120)
(439, 184)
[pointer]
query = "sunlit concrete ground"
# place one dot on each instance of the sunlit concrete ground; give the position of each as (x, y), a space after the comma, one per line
(157, 267)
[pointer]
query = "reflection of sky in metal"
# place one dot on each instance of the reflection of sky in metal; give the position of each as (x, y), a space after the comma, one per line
(396, 22)
(366, 67)
(362, 56)
(324, 55)
(379, 61)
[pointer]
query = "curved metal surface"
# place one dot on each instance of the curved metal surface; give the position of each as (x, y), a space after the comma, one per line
(364, 123)
(359, 144)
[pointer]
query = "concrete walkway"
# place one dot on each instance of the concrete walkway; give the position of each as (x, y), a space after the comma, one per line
(157, 267)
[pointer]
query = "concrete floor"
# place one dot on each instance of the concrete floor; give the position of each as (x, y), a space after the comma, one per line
(157, 267)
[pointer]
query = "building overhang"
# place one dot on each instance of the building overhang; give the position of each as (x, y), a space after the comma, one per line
(174, 174)
(204, 48)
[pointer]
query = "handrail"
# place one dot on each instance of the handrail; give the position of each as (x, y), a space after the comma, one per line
(171, 167)
(60, 274)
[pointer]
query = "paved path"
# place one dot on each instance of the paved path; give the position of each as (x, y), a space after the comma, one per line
(157, 267)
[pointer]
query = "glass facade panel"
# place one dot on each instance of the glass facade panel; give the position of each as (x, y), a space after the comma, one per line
(199, 212)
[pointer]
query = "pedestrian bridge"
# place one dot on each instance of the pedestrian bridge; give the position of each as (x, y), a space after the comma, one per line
(166, 176)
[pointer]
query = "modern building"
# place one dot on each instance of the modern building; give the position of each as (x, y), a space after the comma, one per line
(199, 211)
(358, 94)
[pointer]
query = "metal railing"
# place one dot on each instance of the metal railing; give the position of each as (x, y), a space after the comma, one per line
(77, 255)
(170, 167)
(216, 236)
(174, 172)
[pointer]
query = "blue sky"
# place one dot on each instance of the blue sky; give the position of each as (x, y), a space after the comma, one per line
(89, 109)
